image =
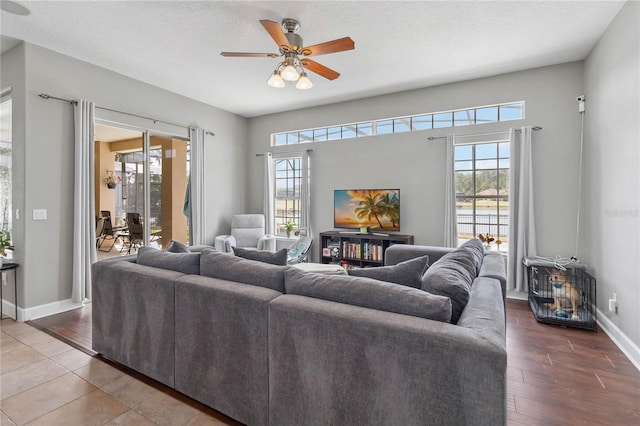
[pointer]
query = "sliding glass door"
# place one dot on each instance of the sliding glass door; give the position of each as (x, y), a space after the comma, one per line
(151, 173)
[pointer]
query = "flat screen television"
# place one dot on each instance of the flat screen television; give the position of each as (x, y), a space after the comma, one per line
(376, 209)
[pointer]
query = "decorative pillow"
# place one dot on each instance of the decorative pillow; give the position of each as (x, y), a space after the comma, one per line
(368, 293)
(187, 263)
(177, 247)
(452, 276)
(407, 273)
(226, 266)
(275, 258)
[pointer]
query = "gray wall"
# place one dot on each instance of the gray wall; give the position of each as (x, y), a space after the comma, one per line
(415, 165)
(44, 167)
(611, 225)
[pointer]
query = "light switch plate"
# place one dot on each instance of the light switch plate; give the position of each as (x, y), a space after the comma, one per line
(39, 214)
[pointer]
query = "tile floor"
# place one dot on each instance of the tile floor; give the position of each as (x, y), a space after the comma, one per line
(44, 381)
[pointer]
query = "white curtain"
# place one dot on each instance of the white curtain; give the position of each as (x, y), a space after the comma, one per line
(305, 197)
(522, 229)
(84, 248)
(450, 220)
(268, 201)
(196, 187)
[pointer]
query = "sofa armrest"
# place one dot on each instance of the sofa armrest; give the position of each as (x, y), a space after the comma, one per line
(401, 252)
(224, 243)
(330, 361)
(493, 267)
(267, 242)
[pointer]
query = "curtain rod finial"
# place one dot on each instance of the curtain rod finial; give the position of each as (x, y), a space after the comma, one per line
(44, 96)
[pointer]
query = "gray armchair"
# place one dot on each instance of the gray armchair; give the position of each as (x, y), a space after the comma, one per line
(247, 231)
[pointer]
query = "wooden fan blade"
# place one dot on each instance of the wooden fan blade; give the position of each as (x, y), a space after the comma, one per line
(313, 66)
(250, 55)
(338, 45)
(275, 31)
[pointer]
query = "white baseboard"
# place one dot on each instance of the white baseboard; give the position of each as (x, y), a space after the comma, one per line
(36, 312)
(630, 349)
(9, 309)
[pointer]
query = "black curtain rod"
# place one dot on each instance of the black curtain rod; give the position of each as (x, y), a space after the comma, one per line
(430, 138)
(155, 120)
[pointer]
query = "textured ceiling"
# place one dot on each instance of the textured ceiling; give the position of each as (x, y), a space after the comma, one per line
(400, 45)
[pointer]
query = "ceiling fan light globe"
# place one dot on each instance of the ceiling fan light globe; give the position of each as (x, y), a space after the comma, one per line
(289, 73)
(275, 80)
(304, 83)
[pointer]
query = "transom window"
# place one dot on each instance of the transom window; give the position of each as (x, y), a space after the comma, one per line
(412, 123)
(482, 192)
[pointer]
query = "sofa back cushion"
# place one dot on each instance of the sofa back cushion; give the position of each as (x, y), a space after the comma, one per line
(407, 273)
(275, 258)
(228, 267)
(475, 247)
(187, 263)
(452, 276)
(368, 293)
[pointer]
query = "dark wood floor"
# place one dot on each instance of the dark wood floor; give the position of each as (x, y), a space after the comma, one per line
(555, 375)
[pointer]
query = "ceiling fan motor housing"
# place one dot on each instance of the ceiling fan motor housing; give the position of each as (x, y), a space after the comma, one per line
(291, 27)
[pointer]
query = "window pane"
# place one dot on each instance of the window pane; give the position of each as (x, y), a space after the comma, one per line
(464, 185)
(384, 127)
(306, 136)
(401, 125)
(422, 122)
(486, 150)
(349, 131)
(443, 119)
(511, 112)
(320, 134)
(281, 139)
(292, 138)
(463, 165)
(503, 185)
(463, 152)
(365, 129)
(503, 163)
(464, 118)
(487, 164)
(486, 183)
(486, 115)
(334, 133)
(503, 149)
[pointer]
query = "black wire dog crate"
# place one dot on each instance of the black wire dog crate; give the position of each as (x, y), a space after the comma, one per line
(563, 294)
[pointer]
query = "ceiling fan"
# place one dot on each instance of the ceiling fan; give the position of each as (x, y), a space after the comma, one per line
(295, 54)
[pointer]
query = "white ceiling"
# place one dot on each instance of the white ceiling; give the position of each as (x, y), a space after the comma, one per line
(400, 45)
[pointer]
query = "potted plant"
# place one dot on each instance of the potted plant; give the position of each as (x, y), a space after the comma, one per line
(5, 244)
(289, 228)
(111, 179)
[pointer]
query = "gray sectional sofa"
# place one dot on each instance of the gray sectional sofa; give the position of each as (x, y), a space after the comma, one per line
(272, 345)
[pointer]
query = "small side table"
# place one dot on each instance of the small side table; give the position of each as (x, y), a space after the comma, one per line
(7, 266)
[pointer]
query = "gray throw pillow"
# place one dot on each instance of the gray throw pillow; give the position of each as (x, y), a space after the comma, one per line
(452, 276)
(407, 273)
(368, 293)
(177, 247)
(187, 263)
(275, 258)
(226, 266)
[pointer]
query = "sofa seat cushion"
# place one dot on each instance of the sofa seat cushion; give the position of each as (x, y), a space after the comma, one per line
(408, 273)
(368, 293)
(187, 263)
(275, 258)
(228, 267)
(452, 276)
